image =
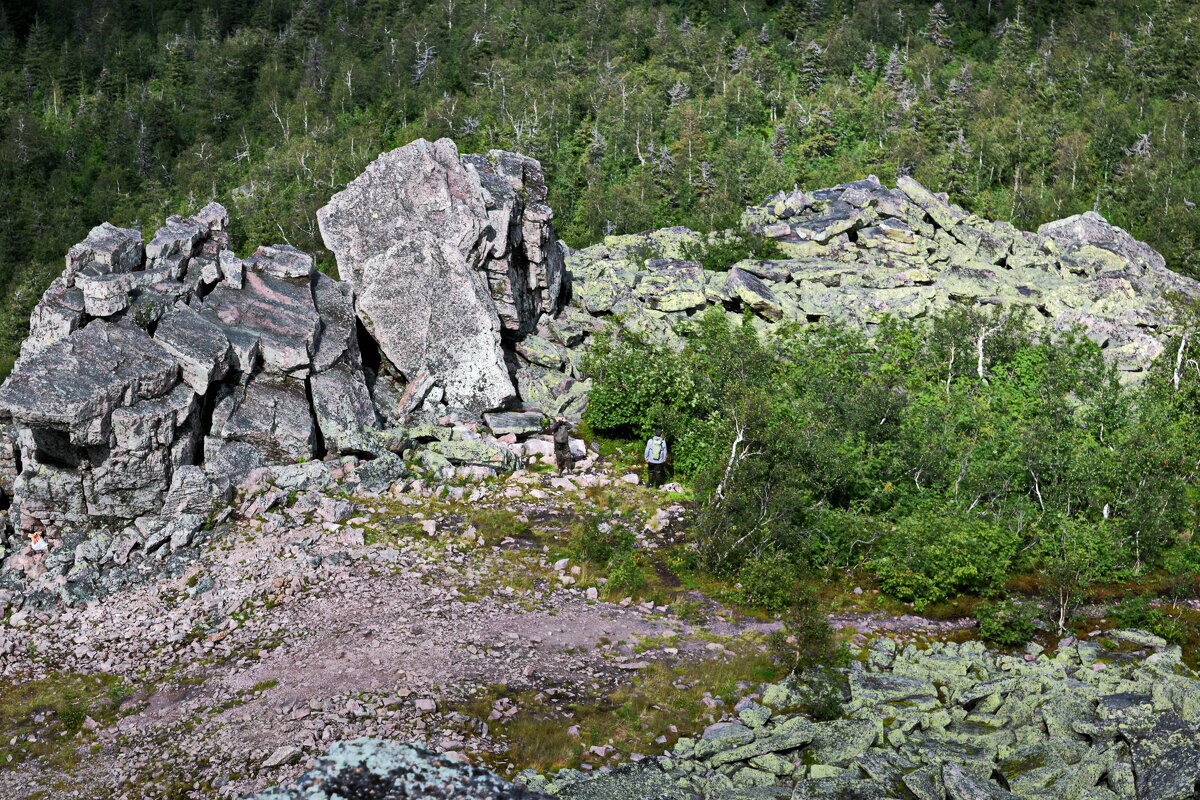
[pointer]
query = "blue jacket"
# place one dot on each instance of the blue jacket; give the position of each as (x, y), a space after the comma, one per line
(663, 454)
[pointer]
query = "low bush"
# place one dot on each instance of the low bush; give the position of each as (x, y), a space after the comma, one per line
(806, 640)
(768, 582)
(1009, 623)
(1138, 613)
(598, 539)
(927, 559)
(720, 251)
(625, 572)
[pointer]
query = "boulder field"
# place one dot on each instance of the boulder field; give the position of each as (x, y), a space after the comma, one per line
(160, 377)
(1114, 717)
(860, 251)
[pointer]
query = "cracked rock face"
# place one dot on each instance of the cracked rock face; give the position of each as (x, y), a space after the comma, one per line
(445, 253)
(113, 406)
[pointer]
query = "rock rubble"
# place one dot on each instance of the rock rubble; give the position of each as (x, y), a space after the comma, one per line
(1118, 717)
(859, 251)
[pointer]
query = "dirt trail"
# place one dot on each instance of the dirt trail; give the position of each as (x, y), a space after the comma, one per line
(284, 637)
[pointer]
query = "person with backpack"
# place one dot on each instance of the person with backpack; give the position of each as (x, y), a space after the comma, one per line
(563, 456)
(656, 457)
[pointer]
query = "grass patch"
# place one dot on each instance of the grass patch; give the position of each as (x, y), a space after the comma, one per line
(630, 718)
(41, 719)
(497, 524)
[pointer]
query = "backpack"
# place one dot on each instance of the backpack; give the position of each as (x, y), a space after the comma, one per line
(656, 448)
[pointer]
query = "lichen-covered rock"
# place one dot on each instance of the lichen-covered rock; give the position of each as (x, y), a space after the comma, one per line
(518, 423)
(860, 251)
(953, 722)
(343, 409)
(410, 235)
(375, 768)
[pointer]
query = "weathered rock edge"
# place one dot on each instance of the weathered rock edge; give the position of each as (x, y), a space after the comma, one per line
(375, 768)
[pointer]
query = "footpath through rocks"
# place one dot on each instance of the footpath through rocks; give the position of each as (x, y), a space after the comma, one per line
(430, 615)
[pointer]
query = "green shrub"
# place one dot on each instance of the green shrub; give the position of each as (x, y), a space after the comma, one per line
(720, 251)
(625, 572)
(1008, 623)
(806, 639)
(597, 539)
(1183, 559)
(768, 582)
(927, 559)
(72, 716)
(1137, 612)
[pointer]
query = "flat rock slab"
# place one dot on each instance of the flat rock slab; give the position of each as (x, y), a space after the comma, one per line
(518, 423)
(279, 313)
(75, 384)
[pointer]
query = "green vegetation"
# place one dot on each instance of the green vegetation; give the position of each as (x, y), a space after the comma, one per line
(813, 450)
(644, 115)
(1008, 622)
(46, 718)
(631, 718)
(1137, 612)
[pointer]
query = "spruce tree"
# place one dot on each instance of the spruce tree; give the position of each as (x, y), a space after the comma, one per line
(937, 25)
(812, 68)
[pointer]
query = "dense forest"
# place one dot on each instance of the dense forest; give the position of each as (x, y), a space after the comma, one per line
(644, 116)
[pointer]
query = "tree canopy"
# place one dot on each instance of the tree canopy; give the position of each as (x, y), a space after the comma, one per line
(644, 116)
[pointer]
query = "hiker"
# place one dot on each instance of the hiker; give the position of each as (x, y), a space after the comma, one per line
(563, 456)
(656, 457)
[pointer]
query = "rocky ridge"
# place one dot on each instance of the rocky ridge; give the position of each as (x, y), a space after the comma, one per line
(1117, 717)
(159, 377)
(859, 251)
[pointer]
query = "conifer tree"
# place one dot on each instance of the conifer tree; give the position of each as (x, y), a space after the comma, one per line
(937, 25)
(812, 68)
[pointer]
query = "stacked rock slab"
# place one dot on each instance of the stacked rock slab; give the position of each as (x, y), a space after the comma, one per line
(859, 251)
(157, 376)
(445, 254)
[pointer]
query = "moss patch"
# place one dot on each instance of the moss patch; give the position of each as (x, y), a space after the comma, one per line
(46, 718)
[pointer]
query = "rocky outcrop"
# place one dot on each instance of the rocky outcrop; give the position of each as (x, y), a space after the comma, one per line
(159, 376)
(376, 768)
(1114, 718)
(156, 377)
(443, 254)
(859, 251)
(454, 333)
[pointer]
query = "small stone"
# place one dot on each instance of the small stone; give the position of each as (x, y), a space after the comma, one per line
(287, 754)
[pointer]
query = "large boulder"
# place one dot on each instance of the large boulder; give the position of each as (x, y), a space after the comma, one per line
(376, 768)
(410, 235)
